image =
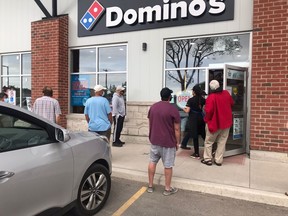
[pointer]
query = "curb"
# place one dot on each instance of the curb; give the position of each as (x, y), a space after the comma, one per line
(234, 192)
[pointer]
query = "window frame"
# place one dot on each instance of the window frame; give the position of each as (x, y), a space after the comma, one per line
(20, 76)
(97, 73)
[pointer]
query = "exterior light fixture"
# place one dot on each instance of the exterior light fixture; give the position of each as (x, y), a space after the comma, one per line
(144, 46)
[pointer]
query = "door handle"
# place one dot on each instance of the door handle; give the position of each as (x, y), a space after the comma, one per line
(6, 174)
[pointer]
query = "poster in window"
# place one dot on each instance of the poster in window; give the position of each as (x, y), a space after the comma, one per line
(79, 90)
(238, 126)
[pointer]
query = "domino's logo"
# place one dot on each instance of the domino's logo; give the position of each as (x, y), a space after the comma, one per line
(92, 15)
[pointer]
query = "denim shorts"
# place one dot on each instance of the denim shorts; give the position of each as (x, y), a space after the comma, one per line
(166, 154)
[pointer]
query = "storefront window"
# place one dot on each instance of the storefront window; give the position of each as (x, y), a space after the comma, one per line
(186, 57)
(16, 78)
(98, 65)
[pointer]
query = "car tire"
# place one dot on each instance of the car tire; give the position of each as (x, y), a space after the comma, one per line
(93, 191)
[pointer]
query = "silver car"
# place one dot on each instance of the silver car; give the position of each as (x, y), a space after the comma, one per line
(46, 170)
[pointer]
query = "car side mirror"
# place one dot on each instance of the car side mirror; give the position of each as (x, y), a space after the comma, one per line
(61, 135)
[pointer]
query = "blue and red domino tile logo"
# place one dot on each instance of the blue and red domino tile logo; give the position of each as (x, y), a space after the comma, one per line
(92, 15)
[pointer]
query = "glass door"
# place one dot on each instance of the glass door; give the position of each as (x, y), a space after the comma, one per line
(234, 81)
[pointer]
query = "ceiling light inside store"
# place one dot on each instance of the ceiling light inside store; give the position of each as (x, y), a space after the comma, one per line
(121, 49)
(109, 57)
(238, 56)
(237, 48)
(235, 39)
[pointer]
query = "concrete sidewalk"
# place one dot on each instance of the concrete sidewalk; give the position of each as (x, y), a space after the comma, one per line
(239, 177)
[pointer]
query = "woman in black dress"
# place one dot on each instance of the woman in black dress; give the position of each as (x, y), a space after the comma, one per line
(195, 125)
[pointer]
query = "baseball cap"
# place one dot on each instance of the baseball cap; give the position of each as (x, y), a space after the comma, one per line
(165, 92)
(214, 84)
(98, 88)
(120, 88)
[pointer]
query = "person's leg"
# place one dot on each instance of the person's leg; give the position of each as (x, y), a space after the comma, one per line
(151, 173)
(221, 144)
(114, 129)
(117, 126)
(120, 127)
(168, 158)
(185, 140)
(196, 145)
(105, 133)
(168, 177)
(209, 140)
(154, 158)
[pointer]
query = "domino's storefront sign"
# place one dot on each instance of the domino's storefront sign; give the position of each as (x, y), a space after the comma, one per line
(98, 17)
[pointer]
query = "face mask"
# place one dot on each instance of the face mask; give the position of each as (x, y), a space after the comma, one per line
(6, 100)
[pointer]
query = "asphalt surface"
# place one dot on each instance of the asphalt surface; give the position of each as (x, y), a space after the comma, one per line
(182, 203)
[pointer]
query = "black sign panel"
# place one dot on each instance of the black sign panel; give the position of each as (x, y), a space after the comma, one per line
(97, 17)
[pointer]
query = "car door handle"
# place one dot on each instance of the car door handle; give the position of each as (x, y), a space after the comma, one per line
(6, 174)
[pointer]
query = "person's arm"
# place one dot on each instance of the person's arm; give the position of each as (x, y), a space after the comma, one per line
(57, 119)
(186, 109)
(87, 118)
(114, 105)
(177, 134)
(110, 118)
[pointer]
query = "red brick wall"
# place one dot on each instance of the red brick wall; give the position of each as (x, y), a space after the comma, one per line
(50, 60)
(269, 96)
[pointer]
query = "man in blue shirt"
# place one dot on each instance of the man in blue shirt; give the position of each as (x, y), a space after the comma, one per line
(98, 113)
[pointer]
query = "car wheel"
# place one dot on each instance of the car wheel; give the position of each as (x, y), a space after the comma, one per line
(93, 191)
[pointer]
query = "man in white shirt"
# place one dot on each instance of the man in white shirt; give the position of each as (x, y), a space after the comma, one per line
(118, 113)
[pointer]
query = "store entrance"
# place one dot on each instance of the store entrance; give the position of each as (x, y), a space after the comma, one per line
(233, 79)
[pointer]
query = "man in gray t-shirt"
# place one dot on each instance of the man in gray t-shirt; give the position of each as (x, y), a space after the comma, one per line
(118, 113)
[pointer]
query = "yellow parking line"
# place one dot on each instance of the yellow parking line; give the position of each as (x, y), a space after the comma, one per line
(126, 205)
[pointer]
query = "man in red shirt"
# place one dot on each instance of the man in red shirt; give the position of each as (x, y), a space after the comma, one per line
(164, 135)
(218, 118)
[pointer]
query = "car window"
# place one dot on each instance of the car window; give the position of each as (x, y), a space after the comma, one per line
(16, 134)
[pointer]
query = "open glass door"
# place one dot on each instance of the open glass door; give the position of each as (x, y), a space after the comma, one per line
(235, 82)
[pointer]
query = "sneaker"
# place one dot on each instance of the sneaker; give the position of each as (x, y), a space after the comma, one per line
(121, 142)
(170, 192)
(194, 155)
(218, 164)
(150, 190)
(185, 147)
(116, 144)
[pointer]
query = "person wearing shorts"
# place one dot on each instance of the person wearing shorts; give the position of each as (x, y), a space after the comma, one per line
(164, 135)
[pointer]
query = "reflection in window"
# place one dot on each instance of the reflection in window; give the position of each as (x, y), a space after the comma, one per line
(16, 76)
(184, 56)
(179, 80)
(111, 62)
(112, 59)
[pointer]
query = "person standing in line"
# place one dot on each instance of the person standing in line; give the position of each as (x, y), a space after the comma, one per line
(98, 113)
(164, 135)
(4, 97)
(118, 113)
(218, 118)
(195, 124)
(47, 107)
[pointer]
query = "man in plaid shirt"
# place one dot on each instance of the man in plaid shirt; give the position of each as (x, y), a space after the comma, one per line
(47, 107)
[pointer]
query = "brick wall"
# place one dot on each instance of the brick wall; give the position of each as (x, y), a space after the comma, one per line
(269, 96)
(50, 60)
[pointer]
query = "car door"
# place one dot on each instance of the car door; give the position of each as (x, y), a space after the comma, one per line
(36, 171)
